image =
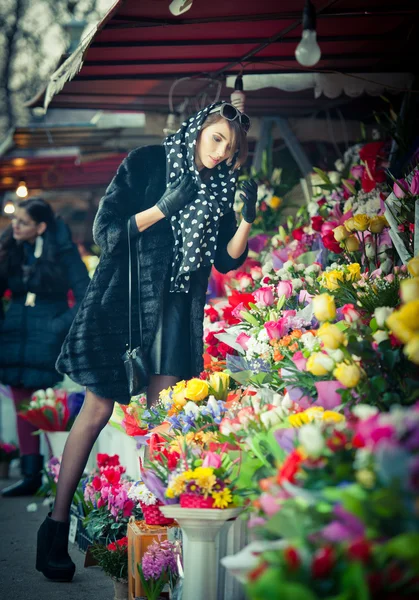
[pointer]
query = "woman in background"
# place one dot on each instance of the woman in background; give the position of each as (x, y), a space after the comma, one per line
(39, 264)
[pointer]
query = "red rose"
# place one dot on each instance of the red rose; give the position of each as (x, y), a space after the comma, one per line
(323, 562)
(292, 558)
(360, 550)
(316, 223)
(223, 349)
(330, 243)
(297, 234)
(212, 314)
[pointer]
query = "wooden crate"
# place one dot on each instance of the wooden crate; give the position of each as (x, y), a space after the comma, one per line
(140, 537)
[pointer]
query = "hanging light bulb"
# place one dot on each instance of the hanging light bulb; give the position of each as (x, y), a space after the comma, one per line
(308, 52)
(238, 97)
(22, 190)
(9, 208)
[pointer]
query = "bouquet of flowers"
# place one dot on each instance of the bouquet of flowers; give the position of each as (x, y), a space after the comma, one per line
(49, 410)
(159, 566)
(113, 558)
(343, 501)
(106, 495)
(8, 452)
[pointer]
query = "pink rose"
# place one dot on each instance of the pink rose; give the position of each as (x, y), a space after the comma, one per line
(237, 310)
(299, 360)
(350, 313)
(212, 460)
(357, 171)
(264, 295)
(243, 339)
(276, 329)
(414, 184)
(284, 288)
(400, 188)
(328, 226)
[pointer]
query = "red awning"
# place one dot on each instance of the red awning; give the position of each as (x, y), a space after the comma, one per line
(140, 50)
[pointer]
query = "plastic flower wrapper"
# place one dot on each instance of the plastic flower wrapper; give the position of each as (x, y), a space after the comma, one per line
(159, 567)
(48, 410)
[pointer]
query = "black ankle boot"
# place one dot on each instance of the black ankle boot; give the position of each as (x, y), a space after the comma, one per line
(31, 467)
(52, 557)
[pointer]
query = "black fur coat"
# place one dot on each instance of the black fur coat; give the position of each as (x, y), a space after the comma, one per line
(91, 354)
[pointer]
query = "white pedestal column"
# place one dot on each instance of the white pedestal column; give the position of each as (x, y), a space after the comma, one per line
(201, 527)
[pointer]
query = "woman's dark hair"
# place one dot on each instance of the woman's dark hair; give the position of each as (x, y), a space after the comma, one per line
(45, 274)
(239, 142)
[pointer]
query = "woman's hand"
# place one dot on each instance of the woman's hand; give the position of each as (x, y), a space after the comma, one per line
(176, 198)
(249, 196)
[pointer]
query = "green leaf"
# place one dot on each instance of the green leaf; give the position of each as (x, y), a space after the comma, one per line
(354, 582)
(323, 175)
(406, 547)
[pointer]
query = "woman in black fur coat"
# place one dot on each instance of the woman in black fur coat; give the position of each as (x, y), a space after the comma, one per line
(179, 200)
(39, 264)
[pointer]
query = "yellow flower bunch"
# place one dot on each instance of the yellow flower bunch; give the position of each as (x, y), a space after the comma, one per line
(404, 323)
(196, 390)
(315, 413)
(330, 279)
(197, 439)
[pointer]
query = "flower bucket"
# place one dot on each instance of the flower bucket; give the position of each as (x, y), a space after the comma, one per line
(4, 470)
(56, 441)
(153, 515)
(193, 501)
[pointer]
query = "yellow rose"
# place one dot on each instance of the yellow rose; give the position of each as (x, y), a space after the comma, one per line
(331, 336)
(412, 349)
(352, 243)
(348, 375)
(196, 390)
(219, 383)
(409, 289)
(377, 224)
(324, 308)
(331, 279)
(319, 364)
(340, 233)
(179, 399)
(350, 224)
(179, 386)
(404, 323)
(413, 266)
(275, 202)
(361, 222)
(354, 272)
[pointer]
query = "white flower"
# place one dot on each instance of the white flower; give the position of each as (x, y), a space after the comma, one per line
(212, 404)
(288, 264)
(287, 402)
(273, 417)
(313, 207)
(191, 409)
(381, 315)
(380, 336)
(309, 340)
(325, 361)
(348, 204)
(139, 492)
(311, 439)
(277, 399)
(244, 282)
(314, 268)
(364, 411)
(267, 267)
(263, 336)
(336, 355)
(309, 280)
(339, 165)
(386, 266)
(300, 267)
(256, 274)
(334, 177)
(297, 284)
(49, 392)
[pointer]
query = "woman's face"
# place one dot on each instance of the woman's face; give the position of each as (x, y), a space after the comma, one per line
(26, 229)
(213, 145)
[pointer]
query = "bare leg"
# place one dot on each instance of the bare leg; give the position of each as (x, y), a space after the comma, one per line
(93, 417)
(157, 384)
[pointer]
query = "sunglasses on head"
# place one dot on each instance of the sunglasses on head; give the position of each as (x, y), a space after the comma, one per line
(230, 112)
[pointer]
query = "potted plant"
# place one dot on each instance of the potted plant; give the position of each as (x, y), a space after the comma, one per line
(113, 559)
(8, 452)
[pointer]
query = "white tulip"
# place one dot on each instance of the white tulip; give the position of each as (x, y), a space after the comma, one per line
(311, 439)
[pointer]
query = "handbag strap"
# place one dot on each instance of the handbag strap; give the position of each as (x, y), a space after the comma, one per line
(130, 290)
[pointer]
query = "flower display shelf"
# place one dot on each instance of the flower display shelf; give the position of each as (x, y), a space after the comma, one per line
(201, 527)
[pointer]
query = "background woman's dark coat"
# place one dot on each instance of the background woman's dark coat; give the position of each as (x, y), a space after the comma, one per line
(31, 336)
(92, 352)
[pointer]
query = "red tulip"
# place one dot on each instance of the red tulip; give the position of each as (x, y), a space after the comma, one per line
(360, 549)
(292, 558)
(323, 562)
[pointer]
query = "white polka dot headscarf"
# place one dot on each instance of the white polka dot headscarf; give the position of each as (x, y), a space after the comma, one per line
(195, 227)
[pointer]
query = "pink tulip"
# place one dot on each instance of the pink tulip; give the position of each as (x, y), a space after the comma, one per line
(269, 504)
(327, 394)
(304, 296)
(212, 460)
(414, 184)
(400, 188)
(357, 171)
(299, 360)
(243, 339)
(276, 329)
(284, 288)
(264, 295)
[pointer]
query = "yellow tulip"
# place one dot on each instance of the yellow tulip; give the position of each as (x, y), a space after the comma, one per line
(324, 307)
(377, 224)
(413, 266)
(319, 364)
(411, 349)
(331, 336)
(409, 289)
(361, 222)
(219, 383)
(352, 243)
(354, 272)
(340, 233)
(196, 390)
(347, 374)
(404, 323)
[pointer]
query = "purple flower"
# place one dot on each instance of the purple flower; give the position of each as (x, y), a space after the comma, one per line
(155, 486)
(159, 558)
(345, 527)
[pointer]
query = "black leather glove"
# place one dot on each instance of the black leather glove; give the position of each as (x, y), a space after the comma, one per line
(175, 198)
(249, 196)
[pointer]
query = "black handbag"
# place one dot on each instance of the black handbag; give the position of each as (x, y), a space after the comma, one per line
(135, 362)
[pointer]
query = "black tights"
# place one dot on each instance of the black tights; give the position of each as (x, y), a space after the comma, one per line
(93, 417)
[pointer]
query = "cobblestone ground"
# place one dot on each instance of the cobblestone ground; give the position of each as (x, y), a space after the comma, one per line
(18, 578)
